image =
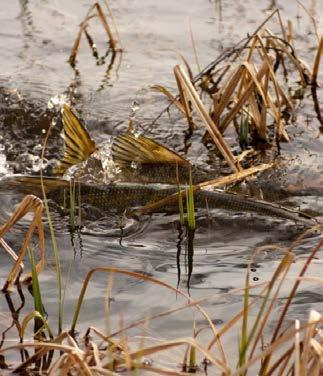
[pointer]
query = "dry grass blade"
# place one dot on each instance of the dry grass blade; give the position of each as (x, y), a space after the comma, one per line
(283, 269)
(11, 252)
(317, 61)
(211, 127)
(76, 354)
(254, 82)
(171, 344)
(164, 371)
(308, 336)
(184, 100)
(29, 204)
(169, 95)
(39, 354)
(103, 19)
(227, 93)
(144, 278)
(291, 56)
(288, 302)
(318, 35)
(32, 315)
(272, 348)
(83, 25)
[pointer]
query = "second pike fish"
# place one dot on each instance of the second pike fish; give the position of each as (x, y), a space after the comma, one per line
(144, 173)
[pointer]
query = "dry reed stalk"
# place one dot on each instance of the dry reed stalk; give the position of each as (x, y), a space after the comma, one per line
(184, 100)
(317, 60)
(75, 353)
(145, 278)
(227, 93)
(272, 348)
(82, 29)
(113, 42)
(250, 87)
(291, 56)
(29, 204)
(211, 127)
(170, 345)
(10, 252)
(309, 335)
(274, 106)
(170, 96)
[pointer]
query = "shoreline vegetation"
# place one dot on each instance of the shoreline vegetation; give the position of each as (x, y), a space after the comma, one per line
(243, 89)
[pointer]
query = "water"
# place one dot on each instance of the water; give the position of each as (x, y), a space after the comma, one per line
(35, 41)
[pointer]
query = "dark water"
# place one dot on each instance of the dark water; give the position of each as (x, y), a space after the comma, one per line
(35, 42)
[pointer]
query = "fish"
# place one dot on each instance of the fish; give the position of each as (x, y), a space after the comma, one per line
(159, 174)
(133, 157)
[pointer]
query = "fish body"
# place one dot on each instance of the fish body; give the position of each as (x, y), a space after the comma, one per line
(121, 197)
(145, 173)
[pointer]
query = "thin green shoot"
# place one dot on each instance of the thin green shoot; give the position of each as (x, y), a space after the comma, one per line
(180, 200)
(181, 207)
(243, 131)
(53, 240)
(38, 304)
(247, 341)
(192, 357)
(190, 204)
(243, 342)
(64, 201)
(197, 60)
(72, 205)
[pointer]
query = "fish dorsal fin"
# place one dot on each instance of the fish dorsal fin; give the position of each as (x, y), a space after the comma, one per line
(78, 143)
(129, 148)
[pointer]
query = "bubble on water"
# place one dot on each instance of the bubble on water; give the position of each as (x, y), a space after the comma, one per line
(134, 165)
(37, 148)
(134, 108)
(137, 134)
(3, 164)
(2, 147)
(43, 131)
(54, 121)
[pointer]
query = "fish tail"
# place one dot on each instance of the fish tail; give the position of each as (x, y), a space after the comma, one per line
(32, 184)
(239, 203)
(78, 143)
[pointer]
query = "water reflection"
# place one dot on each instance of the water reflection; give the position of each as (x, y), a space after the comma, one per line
(185, 236)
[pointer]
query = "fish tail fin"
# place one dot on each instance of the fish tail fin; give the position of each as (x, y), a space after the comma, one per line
(32, 184)
(78, 143)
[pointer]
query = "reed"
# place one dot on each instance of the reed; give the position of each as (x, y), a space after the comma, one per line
(96, 10)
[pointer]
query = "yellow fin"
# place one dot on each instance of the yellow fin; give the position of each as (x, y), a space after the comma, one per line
(128, 148)
(78, 143)
(32, 184)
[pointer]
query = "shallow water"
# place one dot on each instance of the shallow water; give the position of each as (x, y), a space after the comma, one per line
(35, 41)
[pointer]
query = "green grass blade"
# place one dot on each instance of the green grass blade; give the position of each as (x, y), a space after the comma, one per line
(190, 205)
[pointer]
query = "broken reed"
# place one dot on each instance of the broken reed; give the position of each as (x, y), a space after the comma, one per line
(96, 10)
(248, 94)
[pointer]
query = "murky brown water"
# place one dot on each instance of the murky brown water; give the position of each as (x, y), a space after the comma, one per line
(35, 42)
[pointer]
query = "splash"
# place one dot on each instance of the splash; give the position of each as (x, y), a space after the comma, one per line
(57, 101)
(99, 168)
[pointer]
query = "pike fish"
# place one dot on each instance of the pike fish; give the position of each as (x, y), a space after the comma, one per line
(144, 172)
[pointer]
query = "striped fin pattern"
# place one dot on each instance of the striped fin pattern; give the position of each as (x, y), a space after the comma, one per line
(128, 148)
(78, 143)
